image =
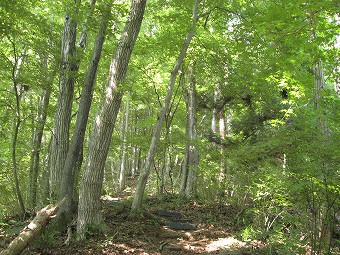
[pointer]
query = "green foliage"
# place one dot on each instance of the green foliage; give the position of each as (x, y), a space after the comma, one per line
(47, 239)
(261, 54)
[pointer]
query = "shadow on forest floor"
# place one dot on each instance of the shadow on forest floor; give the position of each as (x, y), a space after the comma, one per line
(208, 229)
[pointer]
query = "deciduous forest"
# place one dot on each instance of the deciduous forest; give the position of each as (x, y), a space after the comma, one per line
(170, 127)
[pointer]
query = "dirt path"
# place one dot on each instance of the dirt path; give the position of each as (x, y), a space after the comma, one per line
(189, 228)
(192, 229)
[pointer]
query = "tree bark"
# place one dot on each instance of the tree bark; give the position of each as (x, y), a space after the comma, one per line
(184, 165)
(31, 231)
(222, 125)
(137, 201)
(36, 144)
(214, 115)
(68, 70)
(74, 154)
(123, 165)
(92, 180)
(16, 87)
(191, 154)
(319, 79)
(14, 151)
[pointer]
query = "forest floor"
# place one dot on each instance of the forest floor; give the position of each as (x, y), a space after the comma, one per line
(168, 226)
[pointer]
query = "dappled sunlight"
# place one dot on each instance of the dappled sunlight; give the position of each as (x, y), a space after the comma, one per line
(109, 92)
(98, 121)
(224, 243)
(204, 241)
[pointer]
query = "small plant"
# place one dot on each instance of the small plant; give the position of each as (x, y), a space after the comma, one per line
(46, 239)
(249, 233)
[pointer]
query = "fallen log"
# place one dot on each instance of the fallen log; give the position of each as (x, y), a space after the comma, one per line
(32, 230)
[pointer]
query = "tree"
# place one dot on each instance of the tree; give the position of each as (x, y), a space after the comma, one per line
(74, 154)
(18, 61)
(270, 66)
(67, 77)
(142, 180)
(36, 144)
(92, 180)
(190, 163)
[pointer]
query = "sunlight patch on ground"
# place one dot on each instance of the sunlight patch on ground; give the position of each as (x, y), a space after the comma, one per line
(223, 243)
(109, 198)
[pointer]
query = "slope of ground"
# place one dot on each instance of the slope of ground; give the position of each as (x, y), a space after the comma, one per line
(168, 226)
(190, 228)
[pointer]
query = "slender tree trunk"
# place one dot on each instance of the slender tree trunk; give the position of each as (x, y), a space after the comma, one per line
(36, 144)
(92, 180)
(165, 173)
(137, 201)
(74, 154)
(222, 126)
(320, 226)
(16, 88)
(192, 152)
(14, 150)
(185, 163)
(37, 134)
(123, 165)
(45, 175)
(319, 78)
(119, 152)
(68, 70)
(214, 116)
(321, 219)
(112, 174)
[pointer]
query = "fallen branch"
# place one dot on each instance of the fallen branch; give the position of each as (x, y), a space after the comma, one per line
(32, 230)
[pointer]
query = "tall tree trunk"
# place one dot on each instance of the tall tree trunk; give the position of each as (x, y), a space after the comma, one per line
(74, 154)
(165, 173)
(119, 152)
(137, 201)
(185, 165)
(14, 149)
(16, 88)
(215, 116)
(123, 165)
(191, 153)
(36, 144)
(68, 70)
(321, 235)
(319, 79)
(45, 175)
(37, 134)
(222, 125)
(92, 180)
